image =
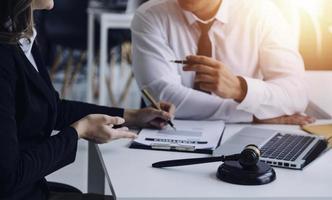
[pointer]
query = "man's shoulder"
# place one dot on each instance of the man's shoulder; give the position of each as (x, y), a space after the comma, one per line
(254, 4)
(156, 15)
(158, 7)
(253, 9)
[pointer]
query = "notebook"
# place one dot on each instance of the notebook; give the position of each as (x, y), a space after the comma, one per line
(324, 130)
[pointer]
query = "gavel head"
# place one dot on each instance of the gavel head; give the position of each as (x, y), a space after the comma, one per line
(249, 156)
(246, 169)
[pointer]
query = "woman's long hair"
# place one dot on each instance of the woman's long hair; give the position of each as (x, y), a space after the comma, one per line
(15, 20)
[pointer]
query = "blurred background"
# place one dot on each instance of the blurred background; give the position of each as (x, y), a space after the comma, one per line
(314, 20)
(87, 47)
(63, 36)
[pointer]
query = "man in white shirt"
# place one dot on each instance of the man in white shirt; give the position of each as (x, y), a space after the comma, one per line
(243, 63)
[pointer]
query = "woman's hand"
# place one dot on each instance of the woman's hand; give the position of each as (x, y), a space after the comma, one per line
(99, 128)
(296, 119)
(150, 117)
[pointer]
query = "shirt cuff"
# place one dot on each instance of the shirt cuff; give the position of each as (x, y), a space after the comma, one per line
(238, 116)
(229, 113)
(252, 100)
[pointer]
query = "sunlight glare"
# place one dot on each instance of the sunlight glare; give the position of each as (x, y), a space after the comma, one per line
(313, 7)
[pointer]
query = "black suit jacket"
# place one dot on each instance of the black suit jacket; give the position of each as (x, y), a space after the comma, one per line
(30, 109)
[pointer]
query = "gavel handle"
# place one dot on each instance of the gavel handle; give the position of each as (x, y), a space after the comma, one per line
(190, 161)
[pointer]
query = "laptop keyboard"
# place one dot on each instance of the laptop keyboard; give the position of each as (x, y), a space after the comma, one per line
(285, 147)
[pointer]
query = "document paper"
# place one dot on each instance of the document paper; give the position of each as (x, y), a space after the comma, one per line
(200, 134)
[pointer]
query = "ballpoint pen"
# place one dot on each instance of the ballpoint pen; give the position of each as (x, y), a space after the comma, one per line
(184, 62)
(155, 104)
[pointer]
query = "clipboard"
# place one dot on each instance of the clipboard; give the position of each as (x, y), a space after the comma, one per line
(211, 130)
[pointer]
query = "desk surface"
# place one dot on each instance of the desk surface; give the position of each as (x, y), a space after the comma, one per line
(132, 176)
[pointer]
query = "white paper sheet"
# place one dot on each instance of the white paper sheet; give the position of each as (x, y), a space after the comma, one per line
(186, 133)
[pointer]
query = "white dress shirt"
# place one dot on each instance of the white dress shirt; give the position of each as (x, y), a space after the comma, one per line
(250, 37)
(26, 46)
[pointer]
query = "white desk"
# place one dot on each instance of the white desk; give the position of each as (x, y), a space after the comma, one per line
(130, 175)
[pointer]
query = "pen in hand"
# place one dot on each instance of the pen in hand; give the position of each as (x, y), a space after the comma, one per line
(184, 62)
(155, 105)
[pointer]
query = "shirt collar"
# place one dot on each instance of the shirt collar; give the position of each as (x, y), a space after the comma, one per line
(221, 15)
(27, 43)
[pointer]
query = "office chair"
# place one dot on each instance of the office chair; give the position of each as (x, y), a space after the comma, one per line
(62, 188)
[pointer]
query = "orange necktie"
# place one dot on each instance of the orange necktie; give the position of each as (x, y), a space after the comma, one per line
(204, 45)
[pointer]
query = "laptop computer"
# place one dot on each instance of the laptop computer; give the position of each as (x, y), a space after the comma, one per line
(278, 148)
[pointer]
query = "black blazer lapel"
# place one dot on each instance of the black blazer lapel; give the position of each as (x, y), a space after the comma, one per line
(35, 77)
(41, 66)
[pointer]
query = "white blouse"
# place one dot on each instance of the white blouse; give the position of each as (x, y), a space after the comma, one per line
(26, 46)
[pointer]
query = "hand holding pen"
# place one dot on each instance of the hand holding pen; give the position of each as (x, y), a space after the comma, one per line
(214, 76)
(168, 108)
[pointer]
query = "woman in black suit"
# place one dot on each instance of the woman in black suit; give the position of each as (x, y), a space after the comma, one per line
(30, 109)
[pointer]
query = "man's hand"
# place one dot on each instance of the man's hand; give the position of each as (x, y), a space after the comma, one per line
(296, 119)
(213, 76)
(150, 117)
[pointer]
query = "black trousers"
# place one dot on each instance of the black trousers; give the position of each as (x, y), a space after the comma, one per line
(77, 196)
